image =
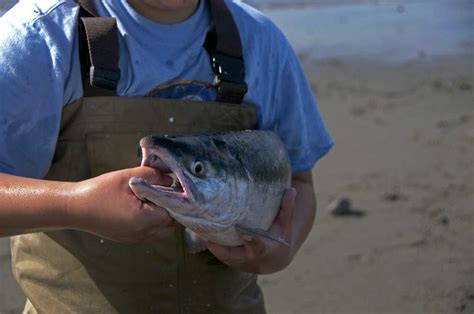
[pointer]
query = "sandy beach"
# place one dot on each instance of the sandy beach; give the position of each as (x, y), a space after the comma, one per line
(404, 157)
(396, 92)
(403, 125)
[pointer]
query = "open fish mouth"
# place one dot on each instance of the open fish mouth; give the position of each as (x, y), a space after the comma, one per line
(156, 193)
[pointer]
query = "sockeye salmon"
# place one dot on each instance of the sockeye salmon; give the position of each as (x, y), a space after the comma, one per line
(224, 184)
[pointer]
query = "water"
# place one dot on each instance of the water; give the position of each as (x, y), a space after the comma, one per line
(387, 30)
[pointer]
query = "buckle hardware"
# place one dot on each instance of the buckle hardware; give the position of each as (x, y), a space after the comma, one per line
(100, 77)
(228, 69)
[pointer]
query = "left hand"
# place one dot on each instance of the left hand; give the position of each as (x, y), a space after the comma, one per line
(259, 255)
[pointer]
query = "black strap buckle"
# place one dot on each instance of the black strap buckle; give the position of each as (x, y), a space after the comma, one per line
(104, 78)
(228, 69)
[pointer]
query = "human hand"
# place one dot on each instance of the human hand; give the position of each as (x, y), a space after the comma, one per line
(259, 255)
(106, 206)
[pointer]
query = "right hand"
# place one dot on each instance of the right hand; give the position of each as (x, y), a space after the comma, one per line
(106, 206)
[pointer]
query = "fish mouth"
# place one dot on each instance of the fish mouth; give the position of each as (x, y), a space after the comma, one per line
(158, 194)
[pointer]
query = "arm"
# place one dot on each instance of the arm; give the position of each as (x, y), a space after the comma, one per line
(294, 222)
(27, 205)
(104, 205)
(304, 210)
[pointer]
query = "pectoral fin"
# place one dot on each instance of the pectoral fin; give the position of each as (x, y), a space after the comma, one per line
(261, 233)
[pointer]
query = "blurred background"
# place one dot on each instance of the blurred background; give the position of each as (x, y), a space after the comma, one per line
(395, 226)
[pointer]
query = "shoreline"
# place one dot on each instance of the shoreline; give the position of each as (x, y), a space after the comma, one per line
(383, 31)
(286, 4)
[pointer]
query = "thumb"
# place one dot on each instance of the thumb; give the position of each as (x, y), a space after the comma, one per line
(152, 175)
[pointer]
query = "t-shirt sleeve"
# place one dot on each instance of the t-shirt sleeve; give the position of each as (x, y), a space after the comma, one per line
(298, 120)
(31, 98)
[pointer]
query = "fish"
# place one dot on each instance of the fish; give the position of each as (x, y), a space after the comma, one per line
(224, 184)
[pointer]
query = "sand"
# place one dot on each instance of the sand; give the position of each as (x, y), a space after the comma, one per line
(404, 156)
(394, 83)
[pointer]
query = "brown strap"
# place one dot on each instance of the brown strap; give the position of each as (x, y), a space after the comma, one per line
(102, 40)
(231, 93)
(88, 6)
(100, 37)
(99, 51)
(228, 38)
(224, 46)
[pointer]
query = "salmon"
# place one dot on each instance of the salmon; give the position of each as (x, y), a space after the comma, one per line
(223, 184)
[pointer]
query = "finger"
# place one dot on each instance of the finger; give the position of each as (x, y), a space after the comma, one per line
(219, 251)
(230, 255)
(255, 247)
(156, 215)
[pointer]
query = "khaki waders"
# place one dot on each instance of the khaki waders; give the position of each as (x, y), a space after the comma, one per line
(76, 272)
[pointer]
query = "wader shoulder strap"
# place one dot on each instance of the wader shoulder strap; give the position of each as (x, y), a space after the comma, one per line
(99, 51)
(87, 6)
(224, 46)
(98, 47)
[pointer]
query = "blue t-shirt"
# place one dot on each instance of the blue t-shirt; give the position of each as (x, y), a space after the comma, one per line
(40, 74)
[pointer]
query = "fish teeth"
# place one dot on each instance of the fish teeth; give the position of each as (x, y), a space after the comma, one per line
(176, 182)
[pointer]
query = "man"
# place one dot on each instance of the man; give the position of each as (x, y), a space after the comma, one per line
(63, 149)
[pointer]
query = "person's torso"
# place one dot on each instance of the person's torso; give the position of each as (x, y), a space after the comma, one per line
(73, 271)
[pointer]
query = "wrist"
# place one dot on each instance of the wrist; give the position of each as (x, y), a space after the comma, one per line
(75, 212)
(57, 217)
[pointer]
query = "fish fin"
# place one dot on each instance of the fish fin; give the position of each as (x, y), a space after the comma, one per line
(194, 242)
(261, 233)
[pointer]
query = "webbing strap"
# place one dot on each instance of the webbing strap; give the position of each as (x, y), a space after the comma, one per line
(224, 46)
(99, 50)
(231, 93)
(102, 40)
(88, 6)
(99, 35)
(228, 38)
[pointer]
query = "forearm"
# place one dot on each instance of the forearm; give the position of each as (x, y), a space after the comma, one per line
(305, 210)
(30, 205)
(104, 206)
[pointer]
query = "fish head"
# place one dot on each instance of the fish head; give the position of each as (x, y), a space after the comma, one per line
(209, 182)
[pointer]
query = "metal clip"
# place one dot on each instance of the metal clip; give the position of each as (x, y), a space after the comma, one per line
(228, 69)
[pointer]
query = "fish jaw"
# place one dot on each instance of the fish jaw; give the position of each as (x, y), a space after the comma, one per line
(173, 198)
(164, 197)
(178, 206)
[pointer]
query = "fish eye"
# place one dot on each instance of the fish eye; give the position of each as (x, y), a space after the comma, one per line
(197, 168)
